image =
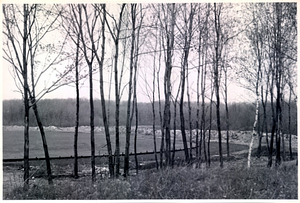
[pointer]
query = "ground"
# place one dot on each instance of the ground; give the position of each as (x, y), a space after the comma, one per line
(255, 186)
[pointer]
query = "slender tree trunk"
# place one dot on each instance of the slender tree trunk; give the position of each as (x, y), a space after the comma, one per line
(278, 76)
(184, 72)
(227, 114)
(174, 127)
(203, 86)
(282, 135)
(198, 111)
(117, 113)
(103, 104)
(254, 125)
(36, 113)
(26, 101)
(135, 131)
(91, 100)
(181, 113)
(45, 146)
(77, 110)
(117, 94)
(190, 116)
(273, 118)
(167, 117)
(259, 132)
(160, 114)
(265, 121)
(210, 123)
(203, 126)
(128, 121)
(153, 110)
(216, 79)
(92, 125)
(162, 145)
(289, 125)
(198, 146)
(26, 134)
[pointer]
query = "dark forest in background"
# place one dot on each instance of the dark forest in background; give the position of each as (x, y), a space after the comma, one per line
(60, 113)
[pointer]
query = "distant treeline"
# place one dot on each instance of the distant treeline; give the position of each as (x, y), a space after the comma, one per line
(61, 113)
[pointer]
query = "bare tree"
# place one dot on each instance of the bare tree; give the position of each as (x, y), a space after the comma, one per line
(21, 68)
(217, 58)
(133, 68)
(21, 50)
(187, 35)
(116, 38)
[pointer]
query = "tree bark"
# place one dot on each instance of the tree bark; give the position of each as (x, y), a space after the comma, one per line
(26, 101)
(216, 79)
(103, 104)
(128, 121)
(77, 110)
(45, 146)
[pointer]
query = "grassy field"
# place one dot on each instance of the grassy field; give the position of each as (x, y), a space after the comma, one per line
(234, 181)
(61, 144)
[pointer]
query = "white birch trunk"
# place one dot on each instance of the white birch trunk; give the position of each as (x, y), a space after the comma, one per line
(254, 125)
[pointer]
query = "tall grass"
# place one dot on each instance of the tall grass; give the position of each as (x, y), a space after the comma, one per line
(231, 182)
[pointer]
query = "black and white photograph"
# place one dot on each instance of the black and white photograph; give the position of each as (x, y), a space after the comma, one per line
(182, 100)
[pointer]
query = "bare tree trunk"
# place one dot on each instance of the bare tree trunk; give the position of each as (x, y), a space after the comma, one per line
(289, 125)
(203, 114)
(282, 135)
(26, 100)
(198, 145)
(153, 117)
(259, 132)
(160, 114)
(182, 120)
(90, 65)
(190, 116)
(45, 146)
(36, 113)
(103, 105)
(198, 108)
(128, 121)
(174, 127)
(135, 112)
(153, 108)
(278, 75)
(136, 128)
(210, 123)
(216, 79)
(226, 109)
(273, 118)
(92, 123)
(265, 121)
(184, 72)
(116, 39)
(254, 125)
(77, 109)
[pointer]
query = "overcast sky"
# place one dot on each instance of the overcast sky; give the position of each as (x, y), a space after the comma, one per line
(10, 91)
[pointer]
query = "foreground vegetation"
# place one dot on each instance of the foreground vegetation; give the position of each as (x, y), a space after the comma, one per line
(234, 181)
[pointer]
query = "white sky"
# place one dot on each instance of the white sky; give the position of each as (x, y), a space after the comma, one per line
(9, 90)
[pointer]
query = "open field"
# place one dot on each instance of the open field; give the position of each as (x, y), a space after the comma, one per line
(60, 141)
(234, 181)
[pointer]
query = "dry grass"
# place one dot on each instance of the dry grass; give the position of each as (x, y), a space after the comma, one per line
(234, 181)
